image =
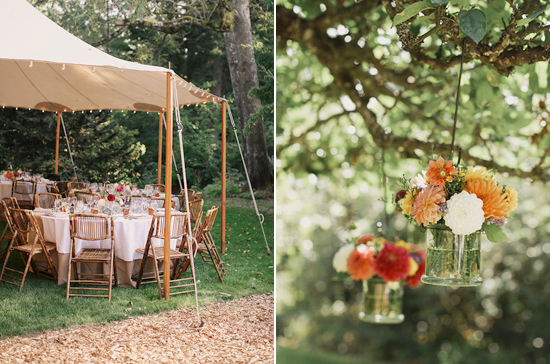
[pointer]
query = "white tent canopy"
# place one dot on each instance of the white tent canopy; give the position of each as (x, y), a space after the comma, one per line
(44, 67)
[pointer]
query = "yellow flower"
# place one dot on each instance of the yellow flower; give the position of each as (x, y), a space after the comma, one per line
(406, 203)
(413, 267)
(402, 244)
(511, 197)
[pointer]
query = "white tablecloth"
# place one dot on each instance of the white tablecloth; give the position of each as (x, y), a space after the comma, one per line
(5, 191)
(130, 234)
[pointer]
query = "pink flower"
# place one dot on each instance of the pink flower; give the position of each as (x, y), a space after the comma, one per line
(111, 197)
(360, 262)
(392, 263)
(120, 188)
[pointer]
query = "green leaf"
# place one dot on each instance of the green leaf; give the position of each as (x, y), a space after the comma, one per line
(473, 23)
(531, 16)
(494, 233)
(459, 3)
(410, 11)
(493, 77)
(438, 2)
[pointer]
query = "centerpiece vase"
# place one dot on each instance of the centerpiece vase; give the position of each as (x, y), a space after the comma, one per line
(382, 304)
(452, 260)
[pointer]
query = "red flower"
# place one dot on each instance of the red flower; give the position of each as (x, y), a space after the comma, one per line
(415, 280)
(392, 263)
(120, 187)
(398, 196)
(365, 239)
(111, 197)
(360, 262)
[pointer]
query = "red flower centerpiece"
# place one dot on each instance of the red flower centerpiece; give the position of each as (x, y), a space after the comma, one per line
(384, 268)
(110, 197)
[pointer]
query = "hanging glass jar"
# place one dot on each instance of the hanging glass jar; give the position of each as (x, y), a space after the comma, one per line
(452, 260)
(382, 303)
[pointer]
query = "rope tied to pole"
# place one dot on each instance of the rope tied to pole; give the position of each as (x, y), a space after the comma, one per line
(261, 217)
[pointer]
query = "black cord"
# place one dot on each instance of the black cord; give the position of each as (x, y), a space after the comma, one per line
(457, 96)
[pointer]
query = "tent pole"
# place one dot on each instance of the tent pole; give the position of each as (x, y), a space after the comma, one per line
(159, 176)
(168, 184)
(57, 143)
(224, 152)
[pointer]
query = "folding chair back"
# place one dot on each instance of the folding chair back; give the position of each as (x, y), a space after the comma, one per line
(62, 188)
(24, 192)
(205, 243)
(77, 186)
(195, 210)
(9, 231)
(91, 228)
(179, 229)
(26, 229)
(45, 200)
(84, 196)
(52, 189)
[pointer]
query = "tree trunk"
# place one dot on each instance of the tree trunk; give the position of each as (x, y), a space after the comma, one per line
(244, 76)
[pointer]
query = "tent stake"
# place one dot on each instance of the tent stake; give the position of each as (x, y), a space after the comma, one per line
(224, 150)
(57, 142)
(159, 176)
(168, 185)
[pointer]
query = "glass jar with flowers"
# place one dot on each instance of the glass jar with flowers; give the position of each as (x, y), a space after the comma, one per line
(384, 268)
(455, 204)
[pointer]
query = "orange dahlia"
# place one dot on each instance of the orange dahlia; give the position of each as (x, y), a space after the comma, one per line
(426, 206)
(440, 172)
(479, 173)
(361, 262)
(494, 201)
(511, 196)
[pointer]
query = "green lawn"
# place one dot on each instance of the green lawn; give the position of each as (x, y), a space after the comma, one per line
(42, 304)
(287, 355)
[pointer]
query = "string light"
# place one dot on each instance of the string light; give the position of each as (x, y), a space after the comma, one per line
(30, 65)
(202, 94)
(63, 68)
(93, 69)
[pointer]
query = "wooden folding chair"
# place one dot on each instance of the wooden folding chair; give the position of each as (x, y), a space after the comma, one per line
(91, 228)
(159, 202)
(195, 210)
(24, 192)
(9, 231)
(50, 188)
(77, 186)
(181, 198)
(45, 200)
(62, 188)
(179, 229)
(26, 229)
(205, 246)
(160, 187)
(83, 196)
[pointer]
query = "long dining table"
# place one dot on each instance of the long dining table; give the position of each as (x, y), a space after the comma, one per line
(129, 233)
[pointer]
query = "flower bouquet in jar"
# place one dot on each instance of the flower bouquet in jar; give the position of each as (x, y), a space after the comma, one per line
(384, 268)
(455, 204)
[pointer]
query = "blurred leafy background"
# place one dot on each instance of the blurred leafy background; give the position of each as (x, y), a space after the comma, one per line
(339, 63)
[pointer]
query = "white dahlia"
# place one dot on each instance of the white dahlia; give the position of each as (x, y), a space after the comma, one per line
(465, 213)
(340, 260)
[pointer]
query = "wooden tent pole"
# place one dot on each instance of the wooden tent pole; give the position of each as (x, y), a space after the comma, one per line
(57, 143)
(168, 184)
(159, 175)
(224, 152)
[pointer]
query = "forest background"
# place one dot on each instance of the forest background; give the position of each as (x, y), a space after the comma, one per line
(366, 93)
(201, 41)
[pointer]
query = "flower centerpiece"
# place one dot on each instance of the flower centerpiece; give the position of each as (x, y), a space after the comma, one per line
(384, 268)
(455, 204)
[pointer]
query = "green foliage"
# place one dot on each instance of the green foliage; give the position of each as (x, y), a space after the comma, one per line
(233, 188)
(42, 304)
(473, 23)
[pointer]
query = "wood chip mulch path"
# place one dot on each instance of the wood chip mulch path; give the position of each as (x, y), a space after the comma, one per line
(238, 331)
